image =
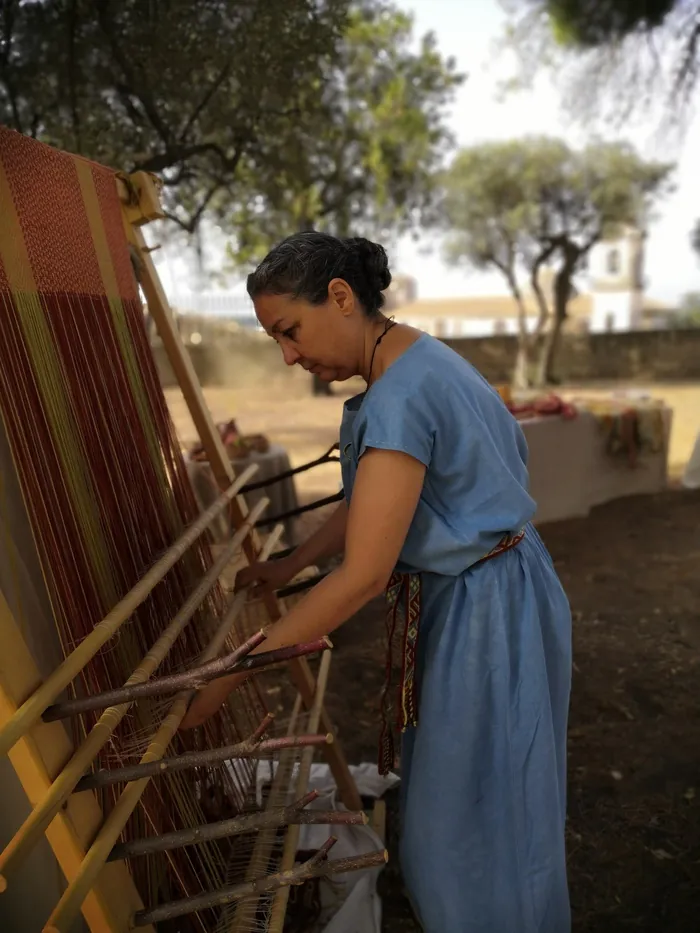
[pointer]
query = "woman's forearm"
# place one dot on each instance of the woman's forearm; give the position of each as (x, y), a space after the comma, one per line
(328, 541)
(323, 609)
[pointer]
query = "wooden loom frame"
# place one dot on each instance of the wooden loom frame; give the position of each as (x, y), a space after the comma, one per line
(104, 891)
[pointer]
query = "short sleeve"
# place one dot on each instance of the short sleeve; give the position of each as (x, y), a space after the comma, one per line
(401, 423)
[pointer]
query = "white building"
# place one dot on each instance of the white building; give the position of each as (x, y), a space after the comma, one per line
(616, 284)
(614, 300)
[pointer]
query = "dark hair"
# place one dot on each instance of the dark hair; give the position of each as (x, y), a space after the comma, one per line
(304, 264)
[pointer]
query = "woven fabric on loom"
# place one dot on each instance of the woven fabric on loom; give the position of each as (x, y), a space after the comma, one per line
(101, 472)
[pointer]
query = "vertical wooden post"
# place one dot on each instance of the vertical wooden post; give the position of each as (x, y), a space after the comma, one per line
(221, 468)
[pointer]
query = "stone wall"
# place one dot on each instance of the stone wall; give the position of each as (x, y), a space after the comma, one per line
(233, 360)
(637, 356)
(243, 358)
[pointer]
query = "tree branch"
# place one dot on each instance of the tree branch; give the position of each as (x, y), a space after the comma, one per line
(542, 257)
(190, 225)
(134, 86)
(216, 84)
(175, 154)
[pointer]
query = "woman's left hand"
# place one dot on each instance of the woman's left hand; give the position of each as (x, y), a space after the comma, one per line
(210, 699)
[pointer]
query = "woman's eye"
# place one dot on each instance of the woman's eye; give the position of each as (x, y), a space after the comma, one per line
(289, 333)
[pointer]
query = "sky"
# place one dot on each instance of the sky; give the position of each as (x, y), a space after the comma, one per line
(470, 30)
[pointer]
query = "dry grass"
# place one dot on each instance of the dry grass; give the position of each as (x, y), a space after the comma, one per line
(283, 408)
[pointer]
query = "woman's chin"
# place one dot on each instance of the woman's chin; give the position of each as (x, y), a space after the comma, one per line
(329, 375)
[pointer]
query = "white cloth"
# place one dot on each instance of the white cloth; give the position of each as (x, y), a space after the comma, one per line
(571, 472)
(351, 904)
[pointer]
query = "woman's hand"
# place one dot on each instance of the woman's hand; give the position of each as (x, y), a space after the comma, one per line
(267, 576)
(210, 699)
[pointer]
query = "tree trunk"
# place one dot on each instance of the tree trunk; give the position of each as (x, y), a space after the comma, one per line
(545, 372)
(521, 372)
(542, 305)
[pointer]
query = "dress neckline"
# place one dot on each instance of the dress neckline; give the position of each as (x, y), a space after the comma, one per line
(361, 396)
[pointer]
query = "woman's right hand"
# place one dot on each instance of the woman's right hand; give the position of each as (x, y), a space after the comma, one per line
(266, 576)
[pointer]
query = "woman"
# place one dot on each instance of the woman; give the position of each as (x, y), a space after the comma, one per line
(435, 479)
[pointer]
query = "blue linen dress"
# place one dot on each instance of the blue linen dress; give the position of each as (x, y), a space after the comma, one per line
(484, 771)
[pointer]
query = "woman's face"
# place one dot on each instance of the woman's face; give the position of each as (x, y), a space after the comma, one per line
(326, 340)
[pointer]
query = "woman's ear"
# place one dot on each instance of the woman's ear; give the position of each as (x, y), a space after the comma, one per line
(341, 295)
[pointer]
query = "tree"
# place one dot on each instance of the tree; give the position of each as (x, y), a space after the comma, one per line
(689, 311)
(362, 158)
(264, 116)
(179, 88)
(488, 212)
(614, 58)
(592, 23)
(528, 205)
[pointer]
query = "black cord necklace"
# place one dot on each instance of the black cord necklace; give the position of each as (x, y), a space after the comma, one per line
(389, 324)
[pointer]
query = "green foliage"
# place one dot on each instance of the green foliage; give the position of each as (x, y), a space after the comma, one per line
(363, 155)
(532, 203)
(506, 202)
(612, 60)
(589, 23)
(689, 311)
(267, 116)
(179, 88)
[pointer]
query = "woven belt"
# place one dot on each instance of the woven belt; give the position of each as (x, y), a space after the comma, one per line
(399, 698)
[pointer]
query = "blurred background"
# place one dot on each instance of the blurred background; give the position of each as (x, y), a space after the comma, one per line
(531, 167)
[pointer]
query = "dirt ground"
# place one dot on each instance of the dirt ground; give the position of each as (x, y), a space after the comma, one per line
(283, 408)
(631, 574)
(631, 570)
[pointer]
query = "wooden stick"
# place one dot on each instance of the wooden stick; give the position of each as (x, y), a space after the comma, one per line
(211, 758)
(105, 776)
(291, 842)
(68, 908)
(156, 686)
(238, 661)
(31, 710)
(263, 845)
(222, 471)
(302, 585)
(266, 839)
(250, 822)
(35, 825)
(314, 868)
(36, 759)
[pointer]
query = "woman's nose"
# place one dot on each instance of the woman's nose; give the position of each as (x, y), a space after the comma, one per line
(291, 356)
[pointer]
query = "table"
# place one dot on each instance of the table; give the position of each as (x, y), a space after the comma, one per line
(571, 471)
(282, 495)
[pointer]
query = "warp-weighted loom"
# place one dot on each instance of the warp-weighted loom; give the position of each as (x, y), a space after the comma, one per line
(113, 605)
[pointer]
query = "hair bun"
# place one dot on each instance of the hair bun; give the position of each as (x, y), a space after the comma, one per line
(374, 260)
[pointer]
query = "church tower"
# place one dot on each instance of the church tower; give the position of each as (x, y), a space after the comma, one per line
(616, 283)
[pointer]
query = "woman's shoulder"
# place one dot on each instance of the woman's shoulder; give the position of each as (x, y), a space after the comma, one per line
(427, 368)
